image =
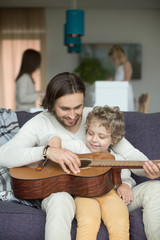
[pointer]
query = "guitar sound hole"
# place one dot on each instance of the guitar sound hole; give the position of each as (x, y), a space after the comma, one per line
(85, 163)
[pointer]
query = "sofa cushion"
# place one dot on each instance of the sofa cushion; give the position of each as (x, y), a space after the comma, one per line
(23, 222)
(18, 222)
(143, 131)
(23, 117)
(136, 225)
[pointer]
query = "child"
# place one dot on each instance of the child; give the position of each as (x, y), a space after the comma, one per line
(104, 127)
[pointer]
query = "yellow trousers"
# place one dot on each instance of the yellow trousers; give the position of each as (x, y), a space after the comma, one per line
(110, 208)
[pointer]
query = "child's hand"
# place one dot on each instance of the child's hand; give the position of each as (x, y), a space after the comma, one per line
(125, 192)
(55, 142)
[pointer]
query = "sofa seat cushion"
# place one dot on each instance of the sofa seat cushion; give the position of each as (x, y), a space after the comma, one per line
(23, 222)
(136, 225)
(19, 222)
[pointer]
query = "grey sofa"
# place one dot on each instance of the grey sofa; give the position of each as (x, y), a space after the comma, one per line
(19, 222)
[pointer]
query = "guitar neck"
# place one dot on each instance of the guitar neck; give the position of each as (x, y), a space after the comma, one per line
(115, 163)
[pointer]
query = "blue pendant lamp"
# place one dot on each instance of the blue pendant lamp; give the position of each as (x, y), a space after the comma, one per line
(74, 29)
(75, 22)
(71, 41)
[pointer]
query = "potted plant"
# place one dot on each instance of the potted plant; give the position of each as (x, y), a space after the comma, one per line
(91, 70)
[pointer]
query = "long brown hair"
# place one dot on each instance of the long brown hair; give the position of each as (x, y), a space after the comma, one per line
(60, 85)
(31, 60)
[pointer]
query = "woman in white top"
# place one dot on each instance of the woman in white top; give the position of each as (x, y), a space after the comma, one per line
(123, 70)
(123, 66)
(26, 94)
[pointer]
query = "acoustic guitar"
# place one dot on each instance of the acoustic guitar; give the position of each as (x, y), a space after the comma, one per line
(99, 173)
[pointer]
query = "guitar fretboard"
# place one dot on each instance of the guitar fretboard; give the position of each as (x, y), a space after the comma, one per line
(115, 163)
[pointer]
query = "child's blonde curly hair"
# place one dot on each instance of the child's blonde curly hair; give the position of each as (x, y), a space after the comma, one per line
(111, 118)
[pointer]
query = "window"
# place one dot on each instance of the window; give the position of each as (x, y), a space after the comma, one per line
(20, 29)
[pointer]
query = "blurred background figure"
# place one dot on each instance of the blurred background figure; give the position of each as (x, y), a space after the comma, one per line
(26, 94)
(123, 68)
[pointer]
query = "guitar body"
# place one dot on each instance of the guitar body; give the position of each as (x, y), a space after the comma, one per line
(28, 183)
(99, 173)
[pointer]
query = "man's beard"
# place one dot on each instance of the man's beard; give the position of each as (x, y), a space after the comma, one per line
(61, 120)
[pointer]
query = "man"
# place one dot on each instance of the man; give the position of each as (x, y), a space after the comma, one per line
(65, 117)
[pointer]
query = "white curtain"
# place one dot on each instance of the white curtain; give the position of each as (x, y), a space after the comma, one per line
(20, 29)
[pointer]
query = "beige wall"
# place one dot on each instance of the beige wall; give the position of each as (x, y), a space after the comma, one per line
(110, 26)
